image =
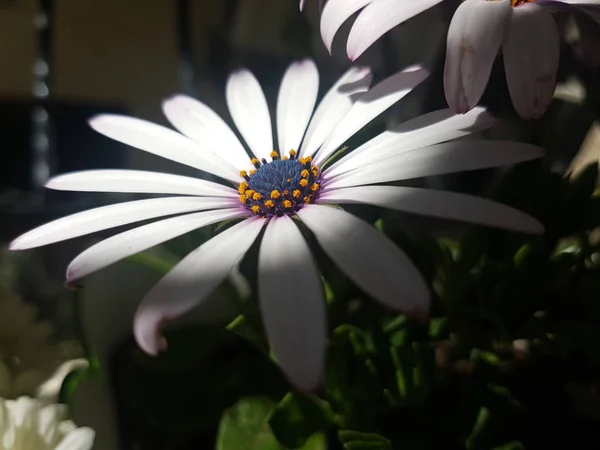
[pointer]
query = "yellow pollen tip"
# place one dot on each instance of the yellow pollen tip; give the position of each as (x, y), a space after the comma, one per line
(274, 154)
(242, 188)
(249, 193)
(256, 196)
(275, 194)
(255, 209)
(288, 180)
(269, 204)
(304, 173)
(285, 158)
(303, 182)
(314, 170)
(287, 204)
(306, 199)
(308, 159)
(286, 193)
(254, 161)
(243, 198)
(243, 173)
(292, 152)
(314, 187)
(253, 171)
(296, 193)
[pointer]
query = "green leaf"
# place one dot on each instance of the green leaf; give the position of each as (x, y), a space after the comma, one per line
(245, 426)
(298, 417)
(355, 440)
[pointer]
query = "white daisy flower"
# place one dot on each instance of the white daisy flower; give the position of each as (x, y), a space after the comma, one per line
(527, 34)
(272, 188)
(28, 424)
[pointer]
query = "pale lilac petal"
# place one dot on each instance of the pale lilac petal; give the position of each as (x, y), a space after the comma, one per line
(370, 105)
(302, 4)
(474, 37)
(335, 13)
(369, 258)
(111, 216)
(380, 17)
(248, 108)
(531, 51)
(201, 124)
(78, 439)
(292, 303)
(429, 129)
(162, 142)
(334, 106)
(446, 205)
(296, 103)
(439, 159)
(138, 181)
(130, 242)
(191, 281)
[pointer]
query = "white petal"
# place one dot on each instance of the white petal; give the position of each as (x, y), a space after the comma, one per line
(162, 142)
(138, 181)
(370, 105)
(191, 281)
(250, 112)
(79, 439)
(201, 124)
(336, 103)
(292, 303)
(130, 242)
(369, 258)
(335, 13)
(429, 129)
(474, 38)
(111, 216)
(295, 103)
(302, 4)
(439, 159)
(380, 17)
(531, 52)
(447, 205)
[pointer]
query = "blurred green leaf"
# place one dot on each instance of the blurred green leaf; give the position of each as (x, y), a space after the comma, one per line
(298, 417)
(245, 426)
(356, 440)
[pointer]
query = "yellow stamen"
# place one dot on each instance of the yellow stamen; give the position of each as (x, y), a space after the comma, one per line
(315, 170)
(253, 171)
(306, 199)
(304, 173)
(256, 196)
(285, 158)
(275, 194)
(269, 204)
(303, 182)
(292, 152)
(254, 161)
(515, 3)
(286, 193)
(255, 209)
(243, 187)
(314, 187)
(274, 154)
(243, 173)
(243, 198)
(296, 193)
(308, 159)
(287, 204)
(249, 193)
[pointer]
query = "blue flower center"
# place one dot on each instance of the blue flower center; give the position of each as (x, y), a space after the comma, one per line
(281, 186)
